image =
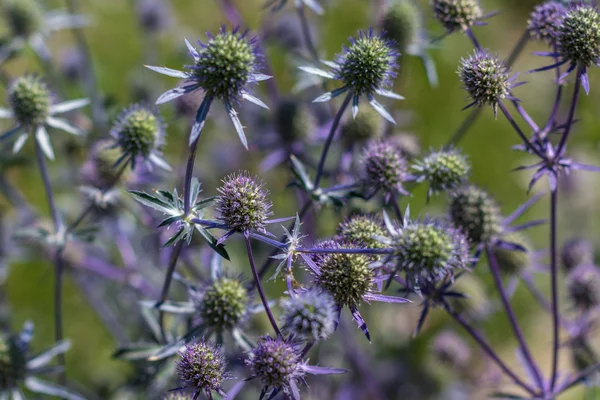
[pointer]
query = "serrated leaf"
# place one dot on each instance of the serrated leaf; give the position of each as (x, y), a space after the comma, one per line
(175, 238)
(170, 220)
(300, 172)
(151, 201)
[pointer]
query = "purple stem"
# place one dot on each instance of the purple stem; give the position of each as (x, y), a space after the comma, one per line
(473, 39)
(517, 129)
(334, 126)
(554, 283)
(189, 172)
(261, 292)
(164, 294)
(571, 117)
(526, 116)
(556, 107)
(486, 348)
(513, 319)
(344, 251)
(397, 211)
(308, 42)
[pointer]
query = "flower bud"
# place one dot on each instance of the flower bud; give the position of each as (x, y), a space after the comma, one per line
(402, 23)
(545, 19)
(475, 213)
(29, 98)
(275, 362)
(363, 230)
(309, 315)
(223, 303)
(456, 14)
(578, 35)
(138, 131)
(383, 167)
(202, 367)
(445, 170)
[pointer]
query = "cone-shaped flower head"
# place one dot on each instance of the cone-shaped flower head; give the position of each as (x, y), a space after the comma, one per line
(309, 315)
(12, 363)
(510, 261)
(293, 121)
(29, 99)
(578, 36)
(243, 203)
(366, 126)
(583, 286)
(202, 368)
(402, 23)
(476, 214)
(223, 303)
(445, 170)
(545, 19)
(24, 17)
(456, 15)
(363, 230)
(485, 78)
(575, 252)
(383, 167)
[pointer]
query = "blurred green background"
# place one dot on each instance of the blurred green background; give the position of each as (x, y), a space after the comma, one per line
(118, 51)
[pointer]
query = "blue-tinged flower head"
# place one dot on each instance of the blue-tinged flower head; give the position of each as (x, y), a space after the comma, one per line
(576, 251)
(202, 368)
(444, 170)
(363, 230)
(309, 315)
(24, 17)
(403, 23)
(139, 132)
(475, 212)
(223, 303)
(243, 203)
(486, 79)
(29, 99)
(456, 15)
(225, 67)
(545, 19)
(583, 286)
(578, 36)
(383, 167)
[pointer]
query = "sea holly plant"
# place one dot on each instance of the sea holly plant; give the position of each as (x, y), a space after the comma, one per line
(314, 5)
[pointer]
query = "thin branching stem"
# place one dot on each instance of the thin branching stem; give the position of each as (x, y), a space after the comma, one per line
(554, 289)
(571, 116)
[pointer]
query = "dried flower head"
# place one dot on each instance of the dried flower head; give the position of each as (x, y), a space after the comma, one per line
(485, 78)
(366, 126)
(402, 23)
(12, 363)
(476, 214)
(29, 99)
(202, 368)
(578, 36)
(575, 252)
(545, 19)
(363, 230)
(583, 286)
(383, 167)
(293, 121)
(223, 303)
(243, 203)
(445, 170)
(510, 261)
(309, 315)
(24, 17)
(456, 15)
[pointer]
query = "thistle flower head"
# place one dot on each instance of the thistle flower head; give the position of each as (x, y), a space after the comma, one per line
(402, 23)
(445, 170)
(485, 78)
(309, 315)
(510, 261)
(138, 131)
(223, 303)
(243, 203)
(363, 230)
(293, 121)
(347, 277)
(29, 99)
(276, 362)
(202, 367)
(24, 17)
(578, 36)
(366, 126)
(583, 286)
(456, 15)
(383, 167)
(575, 252)
(545, 19)
(451, 349)
(367, 65)
(429, 250)
(12, 364)
(475, 213)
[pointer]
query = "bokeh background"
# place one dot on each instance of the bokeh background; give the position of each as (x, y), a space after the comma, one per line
(120, 48)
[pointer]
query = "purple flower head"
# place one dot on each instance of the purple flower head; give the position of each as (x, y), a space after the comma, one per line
(486, 79)
(202, 369)
(383, 167)
(364, 230)
(457, 15)
(476, 214)
(583, 287)
(224, 68)
(576, 251)
(243, 203)
(445, 170)
(309, 315)
(222, 304)
(545, 19)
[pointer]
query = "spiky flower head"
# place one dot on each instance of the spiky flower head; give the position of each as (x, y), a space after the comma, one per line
(12, 363)
(276, 362)
(29, 98)
(575, 252)
(475, 212)
(309, 315)
(451, 349)
(445, 170)
(243, 203)
(366, 126)
(24, 17)
(583, 286)
(545, 19)
(485, 78)
(510, 261)
(456, 15)
(368, 64)
(578, 36)
(429, 250)
(293, 121)
(402, 23)
(363, 230)
(347, 277)
(202, 367)
(138, 131)
(223, 303)
(383, 167)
